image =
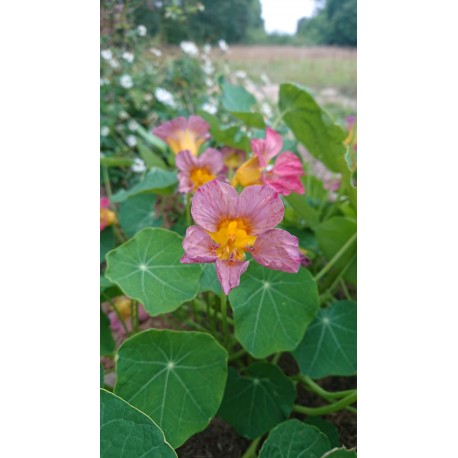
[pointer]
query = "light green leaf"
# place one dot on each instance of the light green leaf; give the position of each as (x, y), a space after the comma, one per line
(329, 344)
(313, 127)
(147, 268)
(340, 453)
(332, 235)
(125, 432)
(107, 343)
(150, 138)
(236, 98)
(250, 119)
(151, 159)
(209, 280)
(294, 439)
(257, 401)
(176, 378)
(137, 213)
(156, 181)
(109, 161)
(272, 309)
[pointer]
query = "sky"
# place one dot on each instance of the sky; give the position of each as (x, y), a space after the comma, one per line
(282, 15)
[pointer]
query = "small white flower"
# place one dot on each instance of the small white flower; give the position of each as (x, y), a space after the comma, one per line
(126, 81)
(128, 56)
(223, 45)
(114, 63)
(141, 30)
(148, 97)
(165, 97)
(104, 82)
(189, 48)
(138, 166)
(106, 54)
(209, 108)
(123, 115)
(265, 107)
(104, 131)
(156, 52)
(207, 67)
(119, 128)
(131, 140)
(132, 125)
(207, 48)
(209, 82)
(265, 79)
(240, 74)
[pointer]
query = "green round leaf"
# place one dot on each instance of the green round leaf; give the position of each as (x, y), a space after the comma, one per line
(176, 378)
(137, 213)
(257, 401)
(272, 309)
(329, 345)
(209, 280)
(326, 428)
(125, 432)
(107, 343)
(147, 268)
(294, 439)
(340, 453)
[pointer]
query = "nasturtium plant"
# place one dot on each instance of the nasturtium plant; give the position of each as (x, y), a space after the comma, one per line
(329, 344)
(340, 453)
(176, 378)
(257, 400)
(126, 432)
(228, 257)
(147, 268)
(294, 439)
(272, 309)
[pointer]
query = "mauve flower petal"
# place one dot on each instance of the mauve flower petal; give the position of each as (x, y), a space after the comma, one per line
(198, 246)
(168, 129)
(212, 159)
(261, 207)
(185, 161)
(229, 273)
(278, 250)
(212, 202)
(268, 148)
(288, 163)
(285, 176)
(199, 126)
(185, 183)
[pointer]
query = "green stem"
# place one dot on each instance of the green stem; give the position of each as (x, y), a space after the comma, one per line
(339, 277)
(345, 290)
(202, 307)
(224, 317)
(336, 258)
(106, 180)
(276, 358)
(317, 389)
(188, 210)
(251, 450)
(237, 355)
(339, 405)
(120, 318)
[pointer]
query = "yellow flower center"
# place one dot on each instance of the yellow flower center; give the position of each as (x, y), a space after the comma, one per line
(233, 239)
(200, 176)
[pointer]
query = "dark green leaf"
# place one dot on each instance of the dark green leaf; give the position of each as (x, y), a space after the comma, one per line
(294, 439)
(329, 344)
(272, 309)
(177, 378)
(107, 242)
(125, 432)
(148, 268)
(107, 343)
(209, 280)
(256, 402)
(137, 213)
(326, 428)
(340, 453)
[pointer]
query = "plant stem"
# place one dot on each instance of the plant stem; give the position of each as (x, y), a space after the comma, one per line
(188, 210)
(120, 318)
(317, 389)
(336, 258)
(345, 289)
(276, 358)
(106, 180)
(237, 355)
(224, 317)
(202, 307)
(251, 450)
(339, 405)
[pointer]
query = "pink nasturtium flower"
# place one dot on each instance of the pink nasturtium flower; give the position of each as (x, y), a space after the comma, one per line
(107, 216)
(229, 225)
(284, 176)
(184, 133)
(233, 158)
(196, 171)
